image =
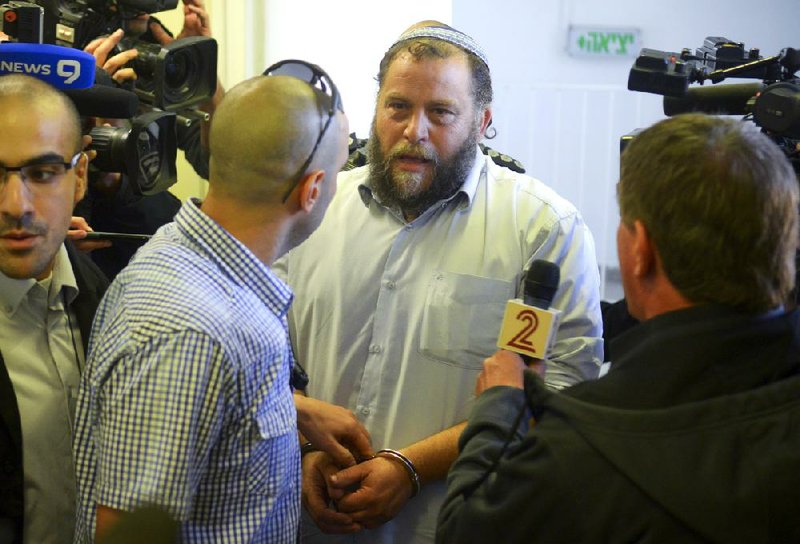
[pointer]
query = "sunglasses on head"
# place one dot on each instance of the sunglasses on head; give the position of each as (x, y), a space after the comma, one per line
(319, 79)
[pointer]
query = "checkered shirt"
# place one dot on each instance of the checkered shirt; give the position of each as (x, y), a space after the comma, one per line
(185, 400)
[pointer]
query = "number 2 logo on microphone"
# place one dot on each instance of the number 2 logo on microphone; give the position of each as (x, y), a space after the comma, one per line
(527, 330)
(529, 322)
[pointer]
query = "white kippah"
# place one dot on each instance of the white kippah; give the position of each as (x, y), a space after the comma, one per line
(446, 34)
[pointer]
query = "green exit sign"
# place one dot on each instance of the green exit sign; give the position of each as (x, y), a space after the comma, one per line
(603, 42)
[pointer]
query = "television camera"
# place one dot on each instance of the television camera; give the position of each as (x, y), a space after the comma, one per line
(171, 80)
(773, 104)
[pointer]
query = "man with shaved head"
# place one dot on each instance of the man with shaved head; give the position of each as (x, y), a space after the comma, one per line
(48, 295)
(185, 403)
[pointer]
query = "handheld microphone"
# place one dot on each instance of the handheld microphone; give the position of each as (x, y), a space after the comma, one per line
(529, 325)
(730, 99)
(61, 67)
(541, 284)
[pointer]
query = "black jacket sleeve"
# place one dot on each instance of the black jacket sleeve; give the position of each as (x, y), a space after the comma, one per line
(503, 486)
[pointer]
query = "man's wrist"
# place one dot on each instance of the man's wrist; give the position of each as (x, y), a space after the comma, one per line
(407, 465)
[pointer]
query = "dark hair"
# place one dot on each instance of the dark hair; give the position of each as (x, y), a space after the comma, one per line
(427, 48)
(720, 201)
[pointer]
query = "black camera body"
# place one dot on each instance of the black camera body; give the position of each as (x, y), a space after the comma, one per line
(22, 21)
(174, 79)
(145, 151)
(773, 103)
(74, 23)
(178, 76)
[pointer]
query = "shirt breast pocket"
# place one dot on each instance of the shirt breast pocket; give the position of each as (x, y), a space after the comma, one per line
(462, 318)
(274, 464)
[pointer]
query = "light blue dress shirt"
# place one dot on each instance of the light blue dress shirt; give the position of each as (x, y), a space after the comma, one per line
(393, 320)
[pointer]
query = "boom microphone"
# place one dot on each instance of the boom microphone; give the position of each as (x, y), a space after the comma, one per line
(61, 67)
(731, 99)
(529, 328)
(103, 101)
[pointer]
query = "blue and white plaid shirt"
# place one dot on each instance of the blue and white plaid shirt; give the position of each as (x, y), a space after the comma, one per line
(185, 400)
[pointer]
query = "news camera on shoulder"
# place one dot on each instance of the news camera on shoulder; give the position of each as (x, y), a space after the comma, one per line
(178, 76)
(773, 103)
(171, 80)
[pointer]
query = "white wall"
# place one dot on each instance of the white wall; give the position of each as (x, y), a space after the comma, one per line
(347, 38)
(562, 116)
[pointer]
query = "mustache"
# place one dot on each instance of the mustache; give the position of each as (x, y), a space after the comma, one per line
(413, 150)
(9, 224)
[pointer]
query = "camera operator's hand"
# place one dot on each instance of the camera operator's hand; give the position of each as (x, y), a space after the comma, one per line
(196, 22)
(78, 227)
(101, 47)
(195, 19)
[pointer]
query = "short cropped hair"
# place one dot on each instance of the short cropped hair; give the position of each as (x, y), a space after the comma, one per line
(720, 201)
(33, 91)
(431, 48)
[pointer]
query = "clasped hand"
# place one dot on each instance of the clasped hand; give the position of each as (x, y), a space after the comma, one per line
(365, 495)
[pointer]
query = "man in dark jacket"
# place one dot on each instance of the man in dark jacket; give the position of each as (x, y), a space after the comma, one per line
(694, 434)
(48, 296)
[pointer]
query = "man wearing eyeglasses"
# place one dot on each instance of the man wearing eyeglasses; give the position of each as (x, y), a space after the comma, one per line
(401, 292)
(48, 295)
(185, 403)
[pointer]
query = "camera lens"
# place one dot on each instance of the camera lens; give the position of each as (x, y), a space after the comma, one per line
(182, 71)
(178, 76)
(177, 70)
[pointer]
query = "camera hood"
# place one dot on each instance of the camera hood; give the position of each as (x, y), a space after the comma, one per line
(178, 76)
(145, 152)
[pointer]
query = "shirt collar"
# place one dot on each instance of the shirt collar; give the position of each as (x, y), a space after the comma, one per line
(468, 188)
(233, 256)
(62, 278)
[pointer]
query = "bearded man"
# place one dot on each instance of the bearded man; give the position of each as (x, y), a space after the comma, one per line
(401, 291)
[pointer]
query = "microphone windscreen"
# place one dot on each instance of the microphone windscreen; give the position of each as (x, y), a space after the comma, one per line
(103, 101)
(61, 67)
(541, 283)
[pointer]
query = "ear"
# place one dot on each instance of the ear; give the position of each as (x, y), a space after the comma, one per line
(644, 251)
(310, 189)
(81, 177)
(486, 119)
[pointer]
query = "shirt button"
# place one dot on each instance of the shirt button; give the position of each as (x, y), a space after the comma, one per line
(390, 284)
(409, 227)
(365, 411)
(374, 348)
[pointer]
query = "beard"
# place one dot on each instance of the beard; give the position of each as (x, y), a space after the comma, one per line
(404, 190)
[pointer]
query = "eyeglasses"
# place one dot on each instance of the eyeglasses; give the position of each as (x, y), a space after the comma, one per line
(317, 78)
(40, 173)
